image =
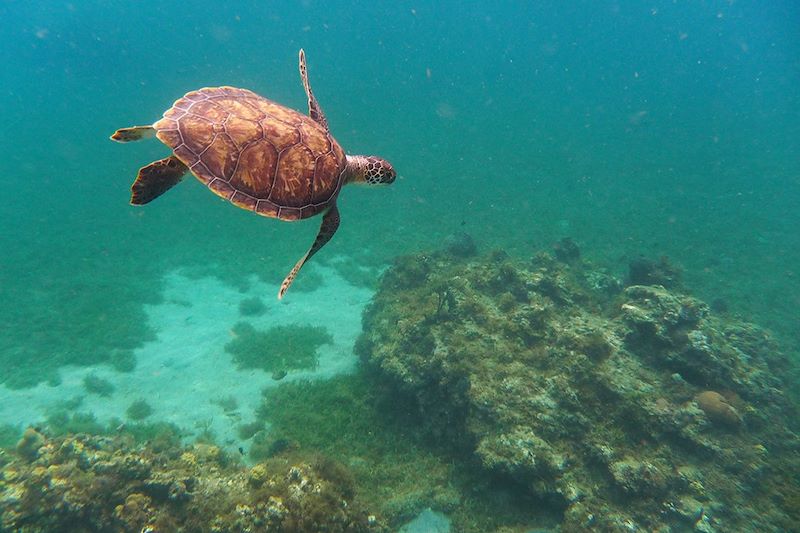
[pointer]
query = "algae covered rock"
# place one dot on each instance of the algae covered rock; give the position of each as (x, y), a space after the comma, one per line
(627, 408)
(82, 483)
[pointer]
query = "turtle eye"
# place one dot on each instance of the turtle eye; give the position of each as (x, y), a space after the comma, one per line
(389, 175)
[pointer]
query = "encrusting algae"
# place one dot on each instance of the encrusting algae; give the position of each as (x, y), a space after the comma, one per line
(597, 397)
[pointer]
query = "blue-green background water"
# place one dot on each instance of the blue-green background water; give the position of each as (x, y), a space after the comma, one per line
(655, 128)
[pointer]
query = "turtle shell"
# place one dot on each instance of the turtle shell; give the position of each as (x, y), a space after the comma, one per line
(258, 154)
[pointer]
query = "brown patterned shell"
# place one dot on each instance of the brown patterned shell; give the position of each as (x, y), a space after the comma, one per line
(258, 154)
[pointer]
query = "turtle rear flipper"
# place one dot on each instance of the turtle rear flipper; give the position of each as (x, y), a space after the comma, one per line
(157, 178)
(135, 133)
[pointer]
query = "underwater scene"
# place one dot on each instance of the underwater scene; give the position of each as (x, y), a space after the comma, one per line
(550, 266)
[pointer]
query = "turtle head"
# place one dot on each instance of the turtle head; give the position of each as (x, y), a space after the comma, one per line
(370, 169)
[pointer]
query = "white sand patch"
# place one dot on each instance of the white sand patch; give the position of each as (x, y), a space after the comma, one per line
(186, 368)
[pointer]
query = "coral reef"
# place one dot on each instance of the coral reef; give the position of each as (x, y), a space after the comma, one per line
(630, 408)
(82, 483)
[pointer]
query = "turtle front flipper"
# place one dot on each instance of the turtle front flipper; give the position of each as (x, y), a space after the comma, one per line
(135, 133)
(157, 178)
(330, 223)
(314, 110)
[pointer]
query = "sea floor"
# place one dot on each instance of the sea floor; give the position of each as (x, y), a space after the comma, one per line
(186, 375)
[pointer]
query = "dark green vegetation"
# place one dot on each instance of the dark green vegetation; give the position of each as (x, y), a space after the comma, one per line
(394, 474)
(139, 410)
(9, 435)
(110, 484)
(104, 334)
(625, 407)
(312, 280)
(227, 403)
(358, 269)
(63, 422)
(280, 348)
(247, 431)
(97, 385)
(252, 307)
(396, 470)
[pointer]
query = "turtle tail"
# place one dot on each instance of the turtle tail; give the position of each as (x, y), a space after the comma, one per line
(135, 133)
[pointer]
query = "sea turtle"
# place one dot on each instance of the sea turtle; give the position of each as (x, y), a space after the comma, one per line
(259, 155)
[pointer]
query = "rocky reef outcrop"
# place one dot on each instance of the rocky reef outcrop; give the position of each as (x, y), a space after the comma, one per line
(629, 407)
(80, 483)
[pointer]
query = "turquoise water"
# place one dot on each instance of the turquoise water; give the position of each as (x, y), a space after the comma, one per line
(656, 129)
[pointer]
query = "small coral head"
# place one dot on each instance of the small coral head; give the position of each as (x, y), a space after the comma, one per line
(371, 170)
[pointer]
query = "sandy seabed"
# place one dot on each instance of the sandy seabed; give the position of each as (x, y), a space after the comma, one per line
(185, 371)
